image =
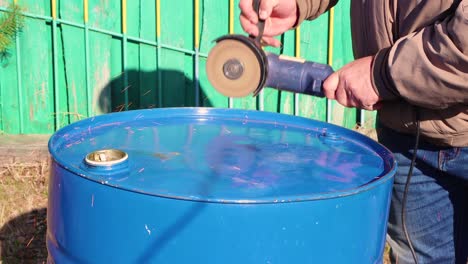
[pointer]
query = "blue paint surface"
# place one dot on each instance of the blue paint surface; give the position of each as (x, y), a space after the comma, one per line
(204, 185)
(224, 155)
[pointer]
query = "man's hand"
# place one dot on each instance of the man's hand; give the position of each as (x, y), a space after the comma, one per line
(352, 85)
(279, 15)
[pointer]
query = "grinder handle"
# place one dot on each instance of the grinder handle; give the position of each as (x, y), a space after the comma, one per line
(296, 75)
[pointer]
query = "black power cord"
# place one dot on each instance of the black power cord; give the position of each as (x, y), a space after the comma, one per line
(405, 193)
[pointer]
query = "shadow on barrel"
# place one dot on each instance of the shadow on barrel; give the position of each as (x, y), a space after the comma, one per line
(22, 239)
(178, 225)
(138, 89)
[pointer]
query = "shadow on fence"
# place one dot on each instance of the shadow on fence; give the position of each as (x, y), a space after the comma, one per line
(150, 89)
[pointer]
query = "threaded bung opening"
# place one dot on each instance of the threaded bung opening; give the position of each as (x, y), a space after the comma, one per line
(106, 157)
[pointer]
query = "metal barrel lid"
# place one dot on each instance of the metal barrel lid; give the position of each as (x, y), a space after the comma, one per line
(222, 155)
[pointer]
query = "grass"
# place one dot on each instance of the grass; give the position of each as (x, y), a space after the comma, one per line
(23, 202)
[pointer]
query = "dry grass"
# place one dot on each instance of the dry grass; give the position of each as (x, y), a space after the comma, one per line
(23, 202)
(370, 132)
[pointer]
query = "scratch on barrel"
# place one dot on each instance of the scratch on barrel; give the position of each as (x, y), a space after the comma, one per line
(73, 143)
(148, 230)
(129, 130)
(109, 124)
(139, 116)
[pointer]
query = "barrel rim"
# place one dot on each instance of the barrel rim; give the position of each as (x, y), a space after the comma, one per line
(390, 166)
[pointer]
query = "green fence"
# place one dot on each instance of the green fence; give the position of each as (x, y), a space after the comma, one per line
(79, 58)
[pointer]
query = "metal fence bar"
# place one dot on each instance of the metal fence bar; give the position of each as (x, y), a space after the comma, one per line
(124, 52)
(362, 117)
(158, 51)
(297, 43)
(261, 100)
(231, 31)
(55, 63)
(331, 23)
(89, 106)
(196, 30)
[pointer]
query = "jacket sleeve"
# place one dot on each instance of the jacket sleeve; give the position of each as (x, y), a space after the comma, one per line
(311, 9)
(428, 68)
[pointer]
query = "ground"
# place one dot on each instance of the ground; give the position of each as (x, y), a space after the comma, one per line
(23, 202)
(24, 171)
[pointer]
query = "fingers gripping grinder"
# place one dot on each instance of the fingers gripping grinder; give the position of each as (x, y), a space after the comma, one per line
(237, 66)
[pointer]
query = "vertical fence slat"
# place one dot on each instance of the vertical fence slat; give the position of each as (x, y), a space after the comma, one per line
(158, 52)
(55, 64)
(314, 47)
(214, 22)
(10, 104)
(19, 83)
(124, 53)
(342, 54)
(177, 68)
(247, 102)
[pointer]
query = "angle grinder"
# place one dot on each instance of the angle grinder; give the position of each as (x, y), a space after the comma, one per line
(238, 66)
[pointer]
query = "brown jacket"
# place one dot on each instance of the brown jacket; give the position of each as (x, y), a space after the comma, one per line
(421, 61)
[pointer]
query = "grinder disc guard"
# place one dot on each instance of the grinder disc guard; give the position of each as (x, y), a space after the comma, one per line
(236, 67)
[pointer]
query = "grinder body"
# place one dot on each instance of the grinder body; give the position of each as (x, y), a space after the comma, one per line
(294, 75)
(237, 66)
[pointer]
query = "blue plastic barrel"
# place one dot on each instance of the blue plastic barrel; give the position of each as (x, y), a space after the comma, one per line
(205, 185)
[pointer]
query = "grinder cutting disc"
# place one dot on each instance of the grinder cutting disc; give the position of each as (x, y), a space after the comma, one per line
(235, 66)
